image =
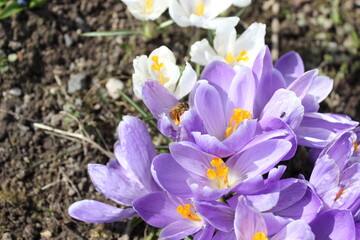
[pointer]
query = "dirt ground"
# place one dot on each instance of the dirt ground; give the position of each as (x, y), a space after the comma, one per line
(41, 174)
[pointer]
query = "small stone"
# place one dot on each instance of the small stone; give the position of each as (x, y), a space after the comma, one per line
(6, 236)
(68, 40)
(76, 82)
(113, 86)
(46, 234)
(15, 91)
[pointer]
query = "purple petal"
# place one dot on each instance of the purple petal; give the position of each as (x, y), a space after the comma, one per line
(212, 145)
(248, 221)
(171, 175)
(190, 122)
(157, 209)
(321, 88)
(295, 230)
(310, 103)
(243, 134)
(224, 235)
(241, 91)
(266, 199)
(209, 107)
(334, 224)
(134, 150)
(217, 214)
(274, 223)
(284, 105)
(206, 233)
(165, 126)
(325, 175)
(179, 230)
(114, 184)
(260, 158)
(97, 212)
(291, 66)
(219, 74)
(263, 64)
(157, 98)
(202, 191)
(302, 85)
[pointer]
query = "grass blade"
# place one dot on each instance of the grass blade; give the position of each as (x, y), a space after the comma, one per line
(111, 33)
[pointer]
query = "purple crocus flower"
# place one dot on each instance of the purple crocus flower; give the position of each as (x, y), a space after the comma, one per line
(316, 129)
(124, 179)
(246, 222)
(195, 173)
(178, 216)
(336, 175)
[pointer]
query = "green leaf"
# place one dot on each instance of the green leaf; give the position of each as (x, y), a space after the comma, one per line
(111, 33)
(10, 10)
(3, 3)
(35, 3)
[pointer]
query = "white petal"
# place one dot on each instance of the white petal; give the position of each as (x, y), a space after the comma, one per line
(186, 83)
(201, 51)
(224, 41)
(242, 3)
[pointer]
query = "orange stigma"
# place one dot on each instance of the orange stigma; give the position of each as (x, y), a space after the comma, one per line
(338, 195)
(157, 67)
(186, 212)
(220, 173)
(200, 8)
(238, 116)
(356, 145)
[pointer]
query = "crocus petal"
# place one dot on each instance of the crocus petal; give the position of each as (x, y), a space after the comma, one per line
(291, 66)
(259, 159)
(201, 52)
(262, 66)
(208, 104)
(321, 88)
(302, 85)
(241, 92)
(219, 74)
(134, 149)
(171, 176)
(166, 126)
(325, 175)
(179, 230)
(190, 122)
(248, 221)
(242, 3)
(286, 106)
(157, 98)
(157, 209)
(295, 230)
(205, 233)
(97, 212)
(224, 39)
(202, 191)
(217, 214)
(114, 184)
(224, 235)
(186, 82)
(212, 145)
(334, 224)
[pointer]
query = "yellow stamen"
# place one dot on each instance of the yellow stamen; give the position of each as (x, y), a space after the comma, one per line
(200, 8)
(157, 67)
(187, 213)
(220, 173)
(149, 6)
(238, 116)
(338, 195)
(242, 57)
(356, 145)
(260, 236)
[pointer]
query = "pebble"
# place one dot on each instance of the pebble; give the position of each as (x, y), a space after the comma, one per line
(113, 86)
(46, 234)
(15, 91)
(76, 82)
(6, 236)
(68, 40)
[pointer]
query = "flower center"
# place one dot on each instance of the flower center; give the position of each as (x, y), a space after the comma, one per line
(186, 212)
(149, 6)
(200, 8)
(260, 236)
(338, 195)
(242, 57)
(238, 116)
(356, 145)
(157, 67)
(219, 173)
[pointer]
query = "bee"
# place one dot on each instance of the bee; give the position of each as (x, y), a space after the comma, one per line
(176, 111)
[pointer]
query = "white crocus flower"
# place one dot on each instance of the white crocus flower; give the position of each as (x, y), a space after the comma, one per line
(161, 66)
(241, 3)
(146, 9)
(201, 13)
(236, 52)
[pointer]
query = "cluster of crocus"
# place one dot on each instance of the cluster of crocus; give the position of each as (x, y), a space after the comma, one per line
(222, 177)
(185, 13)
(232, 128)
